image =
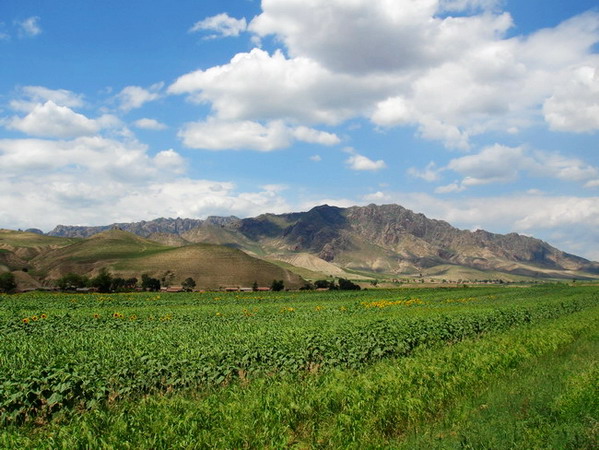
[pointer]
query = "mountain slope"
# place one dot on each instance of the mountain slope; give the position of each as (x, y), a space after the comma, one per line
(382, 240)
(128, 255)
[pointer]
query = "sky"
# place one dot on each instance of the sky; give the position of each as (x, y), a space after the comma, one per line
(483, 113)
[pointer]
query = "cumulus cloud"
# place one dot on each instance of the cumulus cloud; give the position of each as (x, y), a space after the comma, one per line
(169, 160)
(93, 180)
(363, 36)
(149, 124)
(430, 173)
(575, 105)
(313, 136)
(51, 120)
(492, 165)
(259, 86)
(29, 27)
(450, 188)
(502, 164)
(452, 77)
(361, 162)
(133, 97)
(228, 135)
(215, 134)
(105, 158)
(31, 96)
(222, 25)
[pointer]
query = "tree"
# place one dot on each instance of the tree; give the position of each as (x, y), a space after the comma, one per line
(103, 281)
(277, 285)
(189, 284)
(255, 286)
(72, 281)
(7, 282)
(323, 284)
(149, 284)
(118, 284)
(131, 283)
(346, 285)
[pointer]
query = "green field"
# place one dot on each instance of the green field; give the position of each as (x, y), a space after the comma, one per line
(486, 367)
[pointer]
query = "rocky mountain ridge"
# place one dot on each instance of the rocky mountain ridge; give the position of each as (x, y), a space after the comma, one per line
(385, 239)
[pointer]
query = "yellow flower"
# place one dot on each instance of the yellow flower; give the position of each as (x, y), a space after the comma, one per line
(34, 318)
(44, 316)
(26, 320)
(133, 317)
(96, 316)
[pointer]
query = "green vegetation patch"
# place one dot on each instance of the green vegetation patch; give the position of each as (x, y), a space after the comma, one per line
(314, 369)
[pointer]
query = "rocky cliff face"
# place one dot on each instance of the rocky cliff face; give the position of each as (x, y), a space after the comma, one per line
(386, 238)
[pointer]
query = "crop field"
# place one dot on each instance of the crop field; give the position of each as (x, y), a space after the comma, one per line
(479, 367)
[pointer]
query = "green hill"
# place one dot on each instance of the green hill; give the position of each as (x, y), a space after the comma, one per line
(127, 255)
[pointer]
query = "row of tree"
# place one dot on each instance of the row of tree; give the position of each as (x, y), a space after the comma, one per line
(105, 282)
(341, 285)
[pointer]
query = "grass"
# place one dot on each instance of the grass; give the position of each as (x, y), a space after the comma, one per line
(449, 395)
(21, 239)
(548, 402)
(334, 372)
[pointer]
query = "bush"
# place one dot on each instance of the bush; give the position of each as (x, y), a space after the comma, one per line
(7, 282)
(277, 285)
(188, 284)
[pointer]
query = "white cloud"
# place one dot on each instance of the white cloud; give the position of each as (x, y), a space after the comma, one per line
(51, 120)
(222, 24)
(170, 160)
(224, 135)
(493, 164)
(133, 97)
(102, 157)
(451, 77)
(465, 5)
(149, 124)
(215, 134)
(361, 162)
(378, 197)
(313, 136)
(449, 188)
(502, 164)
(258, 86)
(592, 184)
(575, 104)
(316, 158)
(29, 27)
(362, 36)
(430, 173)
(93, 180)
(32, 96)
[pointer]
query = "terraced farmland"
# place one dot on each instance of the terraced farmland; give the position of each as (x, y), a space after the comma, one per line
(313, 369)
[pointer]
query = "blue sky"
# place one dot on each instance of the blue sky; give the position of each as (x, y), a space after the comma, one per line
(483, 113)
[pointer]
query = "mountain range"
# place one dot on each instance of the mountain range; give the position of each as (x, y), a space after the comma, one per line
(375, 241)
